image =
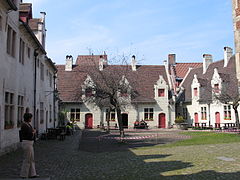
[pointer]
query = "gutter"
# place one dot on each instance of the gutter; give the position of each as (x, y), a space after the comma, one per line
(26, 26)
(12, 5)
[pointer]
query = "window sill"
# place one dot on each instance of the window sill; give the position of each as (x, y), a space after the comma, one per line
(8, 127)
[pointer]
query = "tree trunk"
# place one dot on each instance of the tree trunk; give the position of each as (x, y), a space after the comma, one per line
(108, 119)
(236, 116)
(119, 116)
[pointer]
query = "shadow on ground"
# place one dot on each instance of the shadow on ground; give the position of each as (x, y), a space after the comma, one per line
(92, 159)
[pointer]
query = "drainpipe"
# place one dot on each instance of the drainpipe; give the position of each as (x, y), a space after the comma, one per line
(35, 87)
(54, 98)
(209, 115)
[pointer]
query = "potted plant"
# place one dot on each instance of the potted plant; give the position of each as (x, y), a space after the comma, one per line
(9, 124)
(180, 122)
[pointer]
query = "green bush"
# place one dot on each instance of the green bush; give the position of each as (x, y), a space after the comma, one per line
(179, 119)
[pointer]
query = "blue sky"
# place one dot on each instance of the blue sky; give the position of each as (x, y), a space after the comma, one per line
(150, 29)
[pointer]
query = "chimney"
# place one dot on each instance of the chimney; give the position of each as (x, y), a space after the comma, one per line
(228, 52)
(43, 14)
(207, 60)
(102, 62)
(69, 63)
(134, 63)
(172, 59)
(165, 63)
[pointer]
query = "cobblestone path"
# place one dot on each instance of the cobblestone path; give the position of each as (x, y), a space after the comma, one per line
(96, 158)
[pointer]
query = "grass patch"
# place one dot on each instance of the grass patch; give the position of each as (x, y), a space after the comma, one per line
(199, 138)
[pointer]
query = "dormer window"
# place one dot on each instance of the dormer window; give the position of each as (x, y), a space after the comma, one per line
(88, 92)
(123, 93)
(161, 92)
(195, 91)
(216, 88)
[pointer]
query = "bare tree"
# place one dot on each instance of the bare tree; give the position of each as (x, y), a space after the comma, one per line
(110, 86)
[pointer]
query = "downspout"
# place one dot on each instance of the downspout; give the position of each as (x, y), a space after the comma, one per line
(54, 98)
(209, 114)
(35, 87)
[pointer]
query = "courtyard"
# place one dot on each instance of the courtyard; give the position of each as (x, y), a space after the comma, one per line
(147, 154)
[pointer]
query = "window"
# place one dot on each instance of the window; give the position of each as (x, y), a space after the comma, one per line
(185, 113)
(195, 91)
(124, 93)
(227, 112)
(112, 115)
(11, 39)
(50, 113)
(29, 52)
(9, 110)
(1, 26)
(47, 73)
(88, 92)
(42, 71)
(204, 113)
(148, 114)
(216, 88)
(50, 79)
(41, 112)
(161, 92)
(75, 114)
(38, 62)
(20, 110)
(21, 51)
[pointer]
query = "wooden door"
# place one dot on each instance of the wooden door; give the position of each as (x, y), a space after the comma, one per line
(125, 120)
(217, 117)
(88, 121)
(196, 118)
(162, 120)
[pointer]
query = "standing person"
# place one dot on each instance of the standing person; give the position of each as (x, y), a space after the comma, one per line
(28, 136)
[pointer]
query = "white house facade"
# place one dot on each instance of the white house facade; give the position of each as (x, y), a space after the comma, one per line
(152, 103)
(21, 87)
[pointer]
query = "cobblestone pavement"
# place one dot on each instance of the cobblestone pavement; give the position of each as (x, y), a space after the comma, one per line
(98, 158)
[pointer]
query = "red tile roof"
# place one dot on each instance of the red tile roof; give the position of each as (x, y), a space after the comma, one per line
(69, 83)
(182, 68)
(88, 60)
(227, 74)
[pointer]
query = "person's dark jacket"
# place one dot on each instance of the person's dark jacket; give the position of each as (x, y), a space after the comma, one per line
(27, 132)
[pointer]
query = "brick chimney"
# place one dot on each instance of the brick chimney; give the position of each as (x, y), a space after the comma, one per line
(228, 52)
(207, 60)
(134, 63)
(69, 63)
(172, 59)
(102, 62)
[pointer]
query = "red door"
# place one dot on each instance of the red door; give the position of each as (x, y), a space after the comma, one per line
(196, 118)
(217, 117)
(162, 121)
(88, 121)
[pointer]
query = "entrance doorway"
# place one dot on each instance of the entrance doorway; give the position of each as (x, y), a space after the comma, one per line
(161, 120)
(88, 121)
(125, 120)
(196, 118)
(217, 117)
